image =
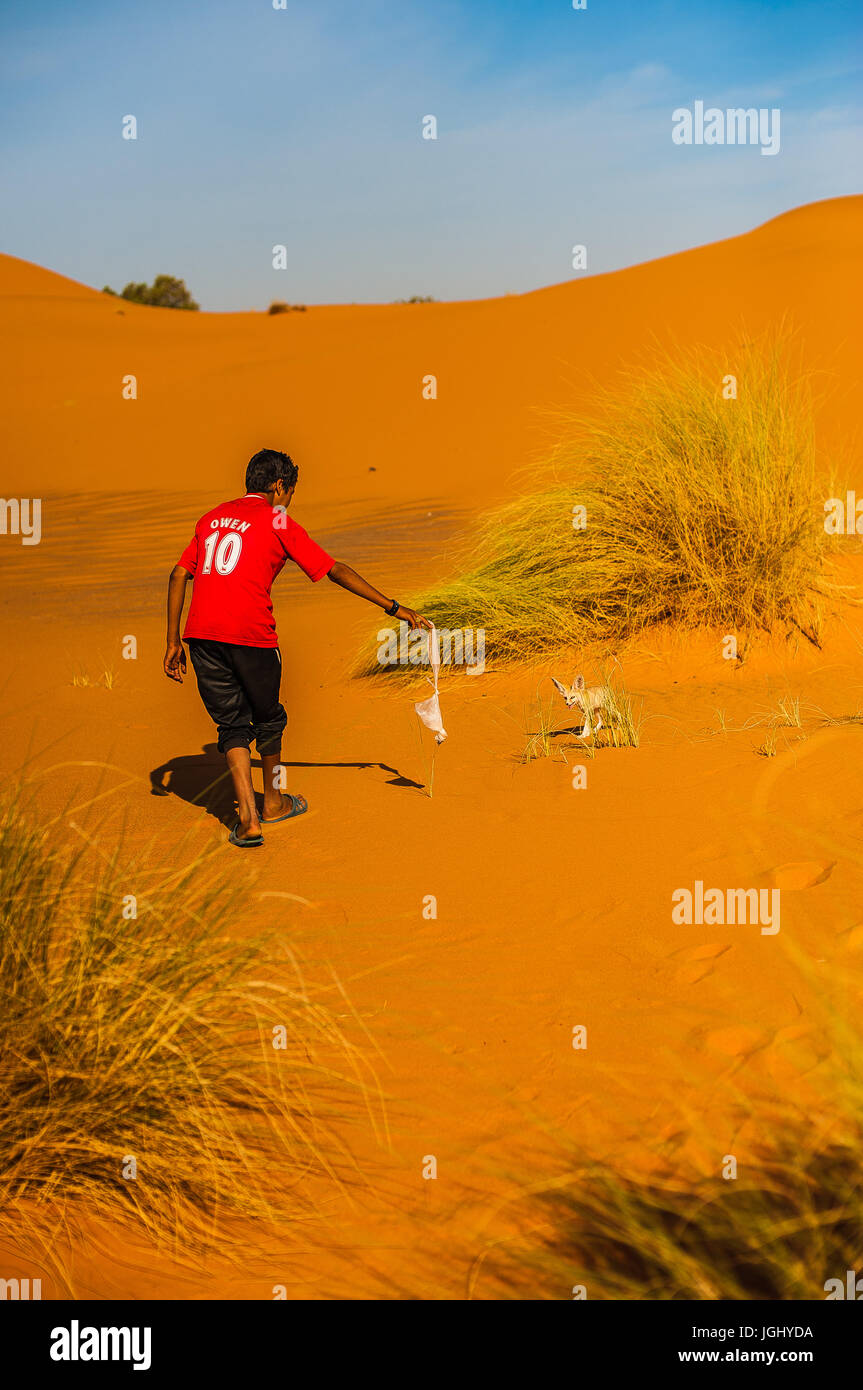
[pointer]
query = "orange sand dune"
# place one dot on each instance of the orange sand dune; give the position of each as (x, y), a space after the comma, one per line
(340, 387)
(554, 904)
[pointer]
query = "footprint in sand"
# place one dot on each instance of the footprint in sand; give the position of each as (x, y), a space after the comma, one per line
(735, 1041)
(805, 874)
(795, 1051)
(851, 939)
(697, 962)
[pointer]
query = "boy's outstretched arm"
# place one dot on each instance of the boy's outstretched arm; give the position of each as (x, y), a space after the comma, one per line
(348, 578)
(175, 656)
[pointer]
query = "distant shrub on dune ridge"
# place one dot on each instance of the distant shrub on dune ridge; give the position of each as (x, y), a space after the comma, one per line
(142, 1079)
(166, 292)
(697, 510)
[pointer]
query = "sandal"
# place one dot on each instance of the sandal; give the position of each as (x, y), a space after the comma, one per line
(298, 806)
(253, 842)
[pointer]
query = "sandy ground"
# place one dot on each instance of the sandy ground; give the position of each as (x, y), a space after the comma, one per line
(553, 904)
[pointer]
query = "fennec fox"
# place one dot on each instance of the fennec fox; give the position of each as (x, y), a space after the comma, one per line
(589, 699)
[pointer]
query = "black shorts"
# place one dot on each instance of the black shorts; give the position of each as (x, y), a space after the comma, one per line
(240, 689)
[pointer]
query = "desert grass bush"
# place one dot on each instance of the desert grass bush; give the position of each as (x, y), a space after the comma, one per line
(152, 1039)
(789, 1222)
(779, 1235)
(698, 511)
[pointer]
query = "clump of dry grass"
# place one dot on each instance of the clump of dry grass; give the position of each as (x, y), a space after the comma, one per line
(778, 1234)
(788, 712)
(785, 1225)
(152, 1039)
(699, 511)
(621, 724)
(829, 721)
(82, 679)
(768, 749)
(541, 723)
(621, 719)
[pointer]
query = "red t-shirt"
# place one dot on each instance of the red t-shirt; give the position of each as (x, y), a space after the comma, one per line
(234, 556)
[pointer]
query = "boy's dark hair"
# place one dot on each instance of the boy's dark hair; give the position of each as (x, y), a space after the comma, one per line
(266, 467)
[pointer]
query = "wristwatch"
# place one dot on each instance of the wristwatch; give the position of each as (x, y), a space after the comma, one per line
(391, 612)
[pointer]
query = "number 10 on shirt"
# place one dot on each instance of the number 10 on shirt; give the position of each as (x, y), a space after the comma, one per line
(226, 552)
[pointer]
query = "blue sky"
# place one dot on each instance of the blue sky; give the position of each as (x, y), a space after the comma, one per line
(303, 127)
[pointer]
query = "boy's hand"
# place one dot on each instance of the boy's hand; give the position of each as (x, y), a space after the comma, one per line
(413, 620)
(175, 661)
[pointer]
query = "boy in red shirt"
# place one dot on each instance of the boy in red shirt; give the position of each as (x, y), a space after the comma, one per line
(234, 556)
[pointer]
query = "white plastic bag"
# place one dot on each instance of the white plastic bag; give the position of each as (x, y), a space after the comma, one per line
(429, 710)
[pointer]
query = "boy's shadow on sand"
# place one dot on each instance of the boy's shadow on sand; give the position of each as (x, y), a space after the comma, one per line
(203, 779)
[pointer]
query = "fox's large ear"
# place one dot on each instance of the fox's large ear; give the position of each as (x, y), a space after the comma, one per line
(578, 683)
(557, 685)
